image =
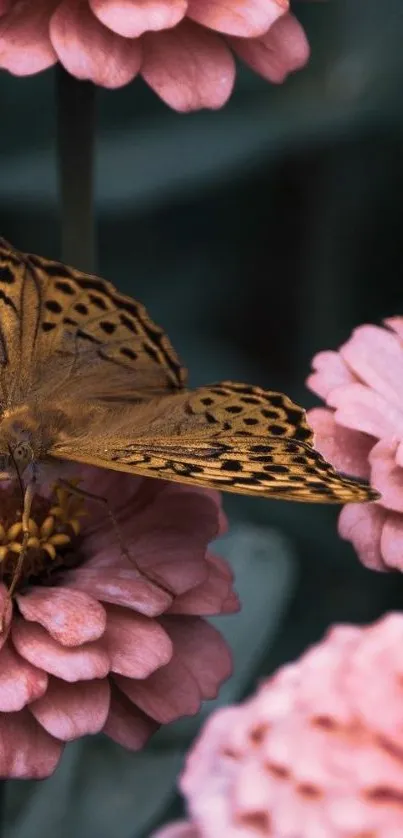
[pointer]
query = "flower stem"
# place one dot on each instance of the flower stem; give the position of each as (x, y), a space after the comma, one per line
(75, 150)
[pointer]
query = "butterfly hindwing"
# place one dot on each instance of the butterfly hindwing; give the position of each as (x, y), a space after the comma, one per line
(197, 437)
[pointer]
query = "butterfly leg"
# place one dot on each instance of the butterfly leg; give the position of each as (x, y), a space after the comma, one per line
(26, 513)
(83, 493)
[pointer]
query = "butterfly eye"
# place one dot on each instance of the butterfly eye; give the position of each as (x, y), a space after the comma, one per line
(23, 454)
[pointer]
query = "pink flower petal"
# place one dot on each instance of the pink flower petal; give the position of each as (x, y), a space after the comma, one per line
(376, 357)
(68, 711)
(346, 450)
(386, 476)
(206, 598)
(222, 565)
(20, 682)
(188, 67)
(283, 49)
(395, 323)
(80, 663)
(362, 525)
(362, 409)
(88, 50)
(168, 694)
(71, 617)
(121, 587)
(203, 651)
(126, 724)
(231, 605)
(131, 18)
(392, 541)
(27, 751)
(168, 538)
(25, 46)
(178, 829)
(330, 372)
(136, 645)
(247, 18)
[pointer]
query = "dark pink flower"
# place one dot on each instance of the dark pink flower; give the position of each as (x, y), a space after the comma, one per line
(96, 640)
(362, 434)
(317, 752)
(182, 48)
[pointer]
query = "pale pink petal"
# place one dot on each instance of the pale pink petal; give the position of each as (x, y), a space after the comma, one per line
(126, 724)
(283, 49)
(131, 18)
(71, 617)
(188, 67)
(362, 525)
(362, 409)
(27, 751)
(330, 372)
(247, 18)
(178, 829)
(68, 711)
(392, 541)
(386, 476)
(20, 682)
(399, 455)
(81, 663)
(376, 357)
(168, 694)
(136, 645)
(346, 450)
(25, 46)
(88, 50)
(121, 587)
(395, 323)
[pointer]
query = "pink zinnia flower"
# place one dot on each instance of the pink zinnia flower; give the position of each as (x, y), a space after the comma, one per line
(316, 753)
(362, 434)
(182, 48)
(93, 642)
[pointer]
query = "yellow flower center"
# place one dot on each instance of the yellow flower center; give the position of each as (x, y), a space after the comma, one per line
(53, 526)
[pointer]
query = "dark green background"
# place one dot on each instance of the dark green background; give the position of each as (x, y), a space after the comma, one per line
(256, 235)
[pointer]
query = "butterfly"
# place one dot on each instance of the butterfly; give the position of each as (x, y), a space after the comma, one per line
(87, 377)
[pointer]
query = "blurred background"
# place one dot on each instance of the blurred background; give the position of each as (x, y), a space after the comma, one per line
(256, 236)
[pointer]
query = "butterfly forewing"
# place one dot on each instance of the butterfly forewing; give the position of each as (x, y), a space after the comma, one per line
(105, 387)
(49, 310)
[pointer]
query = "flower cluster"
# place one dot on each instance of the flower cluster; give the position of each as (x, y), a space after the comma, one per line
(311, 754)
(361, 432)
(182, 48)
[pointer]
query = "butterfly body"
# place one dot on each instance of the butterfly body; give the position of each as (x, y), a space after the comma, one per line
(86, 377)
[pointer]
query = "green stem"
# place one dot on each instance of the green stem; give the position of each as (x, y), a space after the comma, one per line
(75, 151)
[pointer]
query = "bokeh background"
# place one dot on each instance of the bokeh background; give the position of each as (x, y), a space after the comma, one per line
(256, 236)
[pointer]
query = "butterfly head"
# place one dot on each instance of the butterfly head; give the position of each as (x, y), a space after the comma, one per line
(16, 444)
(18, 457)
